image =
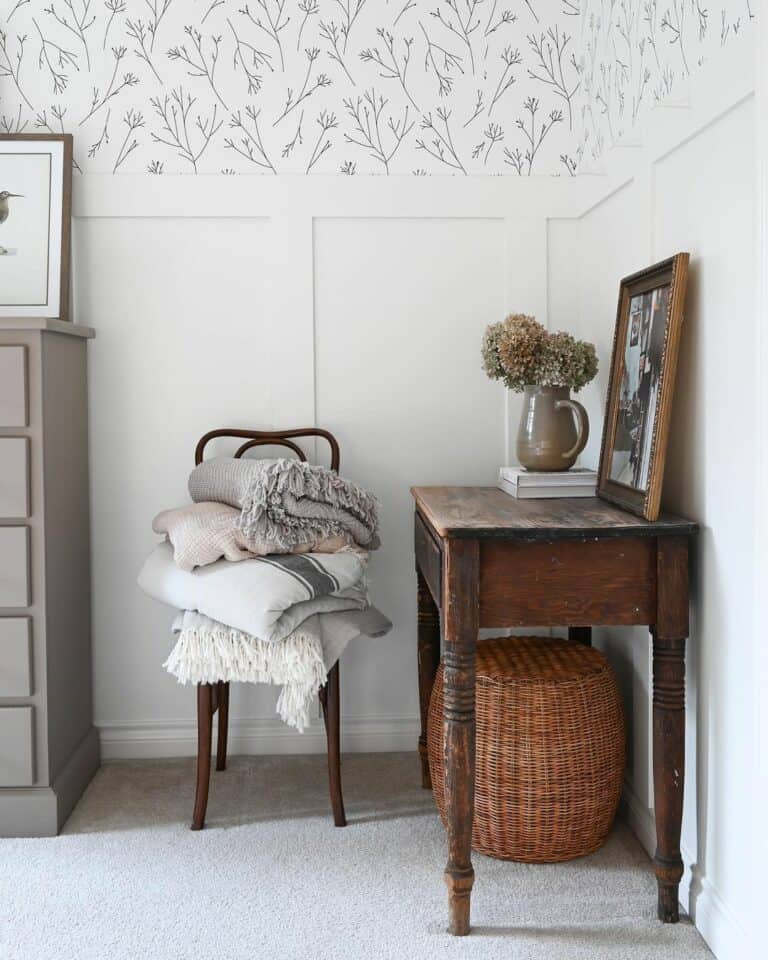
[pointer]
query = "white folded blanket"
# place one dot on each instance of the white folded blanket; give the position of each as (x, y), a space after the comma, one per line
(267, 597)
(207, 651)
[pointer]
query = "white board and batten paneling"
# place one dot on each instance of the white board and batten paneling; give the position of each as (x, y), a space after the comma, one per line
(360, 308)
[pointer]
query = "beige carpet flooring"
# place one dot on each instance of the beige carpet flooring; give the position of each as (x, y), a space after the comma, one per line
(271, 878)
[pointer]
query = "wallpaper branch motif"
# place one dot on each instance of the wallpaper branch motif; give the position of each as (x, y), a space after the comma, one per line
(633, 52)
(382, 87)
(453, 87)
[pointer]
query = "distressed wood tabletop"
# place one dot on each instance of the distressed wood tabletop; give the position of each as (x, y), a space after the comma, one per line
(487, 512)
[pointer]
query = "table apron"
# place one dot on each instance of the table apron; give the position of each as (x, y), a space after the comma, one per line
(429, 559)
(568, 582)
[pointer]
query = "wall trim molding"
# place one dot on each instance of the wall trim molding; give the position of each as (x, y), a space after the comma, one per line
(156, 739)
(333, 197)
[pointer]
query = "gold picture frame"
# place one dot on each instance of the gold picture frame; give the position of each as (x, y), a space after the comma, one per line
(646, 344)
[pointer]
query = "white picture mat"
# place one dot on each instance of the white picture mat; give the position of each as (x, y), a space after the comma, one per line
(30, 273)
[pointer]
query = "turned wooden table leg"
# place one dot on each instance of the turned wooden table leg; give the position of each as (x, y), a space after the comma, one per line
(428, 633)
(669, 636)
(460, 617)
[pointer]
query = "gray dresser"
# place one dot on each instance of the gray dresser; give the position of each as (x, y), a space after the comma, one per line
(48, 745)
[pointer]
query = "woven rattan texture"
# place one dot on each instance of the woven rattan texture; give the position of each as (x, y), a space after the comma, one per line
(550, 749)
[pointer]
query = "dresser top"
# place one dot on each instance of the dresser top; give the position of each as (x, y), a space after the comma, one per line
(50, 324)
(487, 512)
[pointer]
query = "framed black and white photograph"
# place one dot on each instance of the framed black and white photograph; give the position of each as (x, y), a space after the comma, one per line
(643, 365)
(35, 223)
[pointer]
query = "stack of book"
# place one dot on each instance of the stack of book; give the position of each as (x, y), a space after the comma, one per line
(532, 485)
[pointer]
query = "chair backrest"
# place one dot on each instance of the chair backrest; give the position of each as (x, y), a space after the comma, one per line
(270, 438)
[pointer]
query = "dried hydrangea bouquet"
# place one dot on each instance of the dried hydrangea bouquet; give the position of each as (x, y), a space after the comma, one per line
(544, 367)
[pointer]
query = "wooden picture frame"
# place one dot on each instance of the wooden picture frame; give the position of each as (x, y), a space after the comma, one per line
(646, 344)
(35, 224)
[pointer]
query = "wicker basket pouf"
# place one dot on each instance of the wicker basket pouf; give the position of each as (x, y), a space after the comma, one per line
(549, 749)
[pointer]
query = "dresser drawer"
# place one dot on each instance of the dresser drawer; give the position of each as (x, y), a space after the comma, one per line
(16, 757)
(15, 660)
(13, 387)
(14, 477)
(14, 567)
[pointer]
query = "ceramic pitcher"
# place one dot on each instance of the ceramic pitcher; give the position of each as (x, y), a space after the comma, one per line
(553, 429)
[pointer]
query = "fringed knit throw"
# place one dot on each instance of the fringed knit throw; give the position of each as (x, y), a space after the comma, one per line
(207, 651)
(285, 502)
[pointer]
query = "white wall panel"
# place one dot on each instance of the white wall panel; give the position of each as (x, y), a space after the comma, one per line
(711, 477)
(185, 342)
(400, 308)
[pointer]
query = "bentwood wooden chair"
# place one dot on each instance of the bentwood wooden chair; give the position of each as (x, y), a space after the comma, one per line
(213, 698)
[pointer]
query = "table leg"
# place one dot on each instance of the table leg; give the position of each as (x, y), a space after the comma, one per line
(669, 636)
(460, 618)
(428, 632)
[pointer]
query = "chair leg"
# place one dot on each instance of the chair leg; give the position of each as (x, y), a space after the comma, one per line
(204, 731)
(221, 742)
(330, 701)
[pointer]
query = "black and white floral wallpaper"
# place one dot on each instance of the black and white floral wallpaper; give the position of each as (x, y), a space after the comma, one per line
(633, 53)
(419, 87)
(297, 86)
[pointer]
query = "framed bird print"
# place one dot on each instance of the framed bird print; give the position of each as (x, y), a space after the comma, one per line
(35, 224)
(642, 381)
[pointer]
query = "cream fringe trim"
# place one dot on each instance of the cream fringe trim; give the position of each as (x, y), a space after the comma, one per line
(295, 662)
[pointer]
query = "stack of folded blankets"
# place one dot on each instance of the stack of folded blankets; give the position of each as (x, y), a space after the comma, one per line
(267, 567)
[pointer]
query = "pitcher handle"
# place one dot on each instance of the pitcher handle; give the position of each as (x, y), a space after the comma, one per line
(582, 426)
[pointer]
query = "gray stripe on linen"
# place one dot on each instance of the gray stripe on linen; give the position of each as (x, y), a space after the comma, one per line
(315, 578)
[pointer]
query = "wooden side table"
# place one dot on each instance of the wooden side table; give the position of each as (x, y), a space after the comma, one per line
(484, 559)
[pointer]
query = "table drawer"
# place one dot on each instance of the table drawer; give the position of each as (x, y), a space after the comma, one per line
(429, 559)
(15, 660)
(13, 387)
(14, 567)
(568, 583)
(14, 477)
(16, 757)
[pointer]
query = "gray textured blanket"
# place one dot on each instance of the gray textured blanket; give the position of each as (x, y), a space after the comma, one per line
(285, 502)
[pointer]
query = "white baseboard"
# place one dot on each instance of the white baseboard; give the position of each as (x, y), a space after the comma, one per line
(151, 740)
(711, 915)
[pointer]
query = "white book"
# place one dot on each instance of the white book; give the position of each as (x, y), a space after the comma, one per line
(575, 477)
(548, 491)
